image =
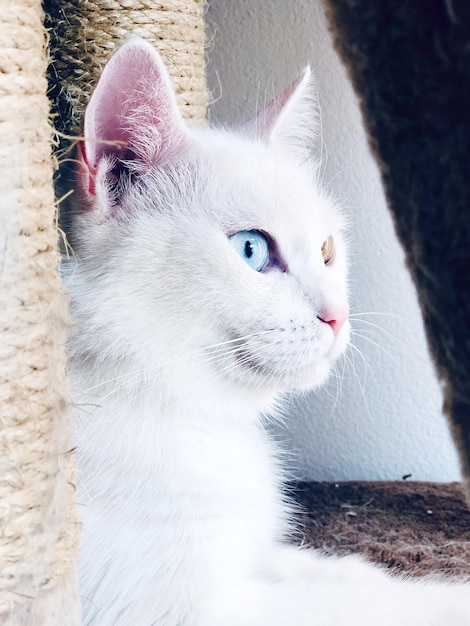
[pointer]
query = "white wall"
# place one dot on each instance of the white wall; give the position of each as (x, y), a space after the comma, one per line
(383, 420)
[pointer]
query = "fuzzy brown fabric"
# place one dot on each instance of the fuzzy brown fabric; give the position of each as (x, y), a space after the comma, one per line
(414, 527)
(410, 65)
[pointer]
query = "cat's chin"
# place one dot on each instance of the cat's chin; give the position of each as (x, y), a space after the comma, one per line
(312, 377)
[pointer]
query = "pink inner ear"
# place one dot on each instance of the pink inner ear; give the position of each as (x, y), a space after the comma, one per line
(263, 124)
(132, 113)
(88, 173)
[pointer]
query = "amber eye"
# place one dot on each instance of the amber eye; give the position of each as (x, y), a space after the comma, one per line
(327, 249)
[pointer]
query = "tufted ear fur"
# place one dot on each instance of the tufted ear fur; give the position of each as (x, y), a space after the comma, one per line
(132, 121)
(290, 118)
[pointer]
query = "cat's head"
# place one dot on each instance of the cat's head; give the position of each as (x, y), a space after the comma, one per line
(212, 257)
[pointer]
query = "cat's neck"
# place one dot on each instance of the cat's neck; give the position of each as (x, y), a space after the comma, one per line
(158, 397)
(131, 440)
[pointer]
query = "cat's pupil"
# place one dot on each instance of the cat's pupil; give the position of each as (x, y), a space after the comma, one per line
(253, 248)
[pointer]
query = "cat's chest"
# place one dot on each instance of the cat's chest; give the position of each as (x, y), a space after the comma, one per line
(182, 499)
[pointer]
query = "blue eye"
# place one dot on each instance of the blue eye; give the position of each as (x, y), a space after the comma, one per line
(253, 247)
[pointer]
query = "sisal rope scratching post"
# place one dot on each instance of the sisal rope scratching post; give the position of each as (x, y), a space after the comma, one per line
(38, 530)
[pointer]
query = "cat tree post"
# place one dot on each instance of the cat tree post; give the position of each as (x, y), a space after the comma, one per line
(38, 527)
(38, 524)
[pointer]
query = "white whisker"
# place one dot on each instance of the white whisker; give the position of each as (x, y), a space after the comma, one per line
(355, 333)
(361, 387)
(382, 313)
(363, 358)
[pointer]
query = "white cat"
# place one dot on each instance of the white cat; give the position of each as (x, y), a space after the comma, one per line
(208, 278)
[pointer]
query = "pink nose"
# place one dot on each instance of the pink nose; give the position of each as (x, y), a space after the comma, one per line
(335, 318)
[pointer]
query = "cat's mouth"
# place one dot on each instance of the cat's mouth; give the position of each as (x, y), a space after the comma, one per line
(285, 379)
(297, 372)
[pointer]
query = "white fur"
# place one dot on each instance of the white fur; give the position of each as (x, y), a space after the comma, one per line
(178, 354)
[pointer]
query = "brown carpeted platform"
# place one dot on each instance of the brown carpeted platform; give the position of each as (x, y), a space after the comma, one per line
(414, 527)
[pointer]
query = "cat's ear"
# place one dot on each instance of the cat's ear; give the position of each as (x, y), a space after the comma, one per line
(132, 117)
(290, 118)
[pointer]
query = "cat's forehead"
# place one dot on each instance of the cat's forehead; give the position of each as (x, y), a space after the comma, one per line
(265, 188)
